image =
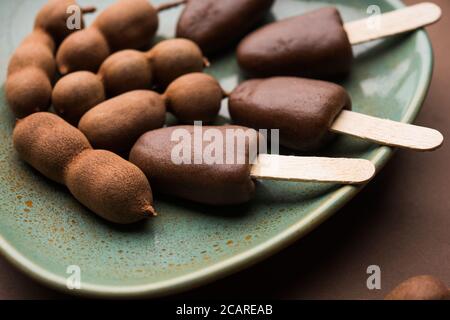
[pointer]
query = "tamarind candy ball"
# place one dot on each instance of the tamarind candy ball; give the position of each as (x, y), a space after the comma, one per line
(110, 186)
(31, 71)
(82, 50)
(128, 24)
(125, 71)
(28, 91)
(117, 123)
(194, 97)
(173, 58)
(75, 94)
(420, 288)
(52, 18)
(35, 51)
(48, 143)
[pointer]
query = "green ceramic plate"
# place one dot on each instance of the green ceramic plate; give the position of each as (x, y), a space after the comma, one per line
(43, 230)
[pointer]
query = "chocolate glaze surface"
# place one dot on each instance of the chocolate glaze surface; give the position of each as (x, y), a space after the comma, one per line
(215, 25)
(302, 109)
(313, 45)
(213, 184)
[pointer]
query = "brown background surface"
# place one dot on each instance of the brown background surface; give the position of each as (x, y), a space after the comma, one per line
(400, 222)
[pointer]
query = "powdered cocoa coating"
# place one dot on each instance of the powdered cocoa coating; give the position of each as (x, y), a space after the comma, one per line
(313, 45)
(213, 184)
(216, 25)
(125, 71)
(302, 109)
(31, 70)
(420, 288)
(77, 93)
(35, 51)
(82, 50)
(48, 143)
(32, 67)
(110, 186)
(194, 97)
(102, 181)
(128, 24)
(173, 58)
(117, 123)
(28, 91)
(52, 18)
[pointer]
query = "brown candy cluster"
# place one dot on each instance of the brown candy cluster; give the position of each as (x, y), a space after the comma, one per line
(125, 71)
(32, 68)
(110, 186)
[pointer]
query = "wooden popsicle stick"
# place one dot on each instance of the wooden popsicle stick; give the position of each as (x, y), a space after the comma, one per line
(394, 22)
(313, 169)
(387, 132)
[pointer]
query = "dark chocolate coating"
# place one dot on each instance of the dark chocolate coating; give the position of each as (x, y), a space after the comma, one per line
(313, 45)
(215, 25)
(302, 109)
(213, 184)
(117, 123)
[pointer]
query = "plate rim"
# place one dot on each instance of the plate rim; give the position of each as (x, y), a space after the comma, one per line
(247, 258)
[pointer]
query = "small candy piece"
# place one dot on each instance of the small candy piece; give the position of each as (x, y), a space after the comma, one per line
(53, 17)
(125, 71)
(110, 186)
(117, 123)
(48, 144)
(77, 93)
(173, 58)
(194, 97)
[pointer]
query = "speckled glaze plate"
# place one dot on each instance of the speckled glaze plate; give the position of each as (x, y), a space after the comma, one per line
(43, 230)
